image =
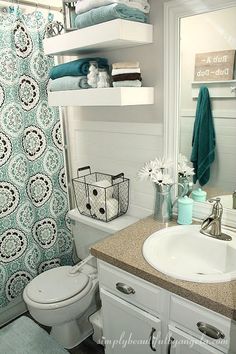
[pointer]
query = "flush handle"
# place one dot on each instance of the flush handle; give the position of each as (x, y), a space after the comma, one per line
(210, 331)
(125, 289)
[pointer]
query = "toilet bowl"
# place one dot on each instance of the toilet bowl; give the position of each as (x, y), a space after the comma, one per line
(63, 300)
(65, 297)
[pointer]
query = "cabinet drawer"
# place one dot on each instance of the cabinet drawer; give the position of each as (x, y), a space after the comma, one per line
(130, 288)
(192, 317)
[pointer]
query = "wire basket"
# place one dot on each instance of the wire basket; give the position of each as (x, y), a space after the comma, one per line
(101, 196)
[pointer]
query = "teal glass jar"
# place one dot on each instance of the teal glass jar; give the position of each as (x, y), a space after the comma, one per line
(185, 211)
(199, 195)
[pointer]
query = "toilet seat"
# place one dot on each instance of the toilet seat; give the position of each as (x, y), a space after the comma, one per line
(57, 285)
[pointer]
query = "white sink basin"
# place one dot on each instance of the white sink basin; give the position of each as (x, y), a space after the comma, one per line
(184, 253)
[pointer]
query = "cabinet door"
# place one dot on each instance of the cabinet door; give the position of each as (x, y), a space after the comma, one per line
(127, 329)
(182, 343)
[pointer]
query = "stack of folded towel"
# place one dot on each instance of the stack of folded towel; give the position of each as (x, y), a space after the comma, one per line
(92, 12)
(72, 75)
(126, 74)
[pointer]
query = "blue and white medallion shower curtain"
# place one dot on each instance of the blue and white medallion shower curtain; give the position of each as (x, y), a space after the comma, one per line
(34, 232)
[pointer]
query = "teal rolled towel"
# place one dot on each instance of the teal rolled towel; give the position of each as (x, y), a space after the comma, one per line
(203, 141)
(108, 13)
(77, 67)
(68, 83)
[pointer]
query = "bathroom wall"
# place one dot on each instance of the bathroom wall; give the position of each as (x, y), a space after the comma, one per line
(207, 33)
(121, 139)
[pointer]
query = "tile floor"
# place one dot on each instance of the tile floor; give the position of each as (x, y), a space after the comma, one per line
(87, 347)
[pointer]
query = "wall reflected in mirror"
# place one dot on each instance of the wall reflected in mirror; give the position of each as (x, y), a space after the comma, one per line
(209, 32)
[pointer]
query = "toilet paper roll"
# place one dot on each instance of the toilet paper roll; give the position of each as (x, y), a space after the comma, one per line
(101, 190)
(105, 211)
(84, 206)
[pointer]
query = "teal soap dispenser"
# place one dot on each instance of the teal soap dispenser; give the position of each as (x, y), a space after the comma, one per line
(199, 195)
(185, 210)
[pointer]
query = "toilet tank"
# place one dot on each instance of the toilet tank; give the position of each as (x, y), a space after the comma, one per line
(87, 231)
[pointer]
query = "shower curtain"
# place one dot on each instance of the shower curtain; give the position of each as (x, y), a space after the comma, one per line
(34, 229)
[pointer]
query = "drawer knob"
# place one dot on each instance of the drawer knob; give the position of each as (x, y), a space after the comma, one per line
(125, 289)
(210, 331)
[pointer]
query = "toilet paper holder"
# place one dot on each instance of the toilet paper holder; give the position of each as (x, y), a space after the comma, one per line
(100, 195)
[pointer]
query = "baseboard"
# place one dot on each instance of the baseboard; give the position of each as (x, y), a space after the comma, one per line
(12, 311)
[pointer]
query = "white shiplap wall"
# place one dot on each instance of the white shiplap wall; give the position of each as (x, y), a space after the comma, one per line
(115, 139)
(115, 147)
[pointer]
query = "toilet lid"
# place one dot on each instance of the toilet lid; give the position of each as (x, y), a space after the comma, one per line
(56, 285)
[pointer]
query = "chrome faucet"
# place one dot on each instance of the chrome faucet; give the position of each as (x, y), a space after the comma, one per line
(211, 226)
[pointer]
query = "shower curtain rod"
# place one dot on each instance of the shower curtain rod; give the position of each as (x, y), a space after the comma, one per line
(34, 4)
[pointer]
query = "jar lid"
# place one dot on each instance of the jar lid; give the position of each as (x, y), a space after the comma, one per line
(185, 200)
(199, 192)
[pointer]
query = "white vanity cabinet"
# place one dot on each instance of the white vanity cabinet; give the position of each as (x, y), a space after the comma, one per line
(130, 308)
(127, 328)
(182, 343)
(158, 320)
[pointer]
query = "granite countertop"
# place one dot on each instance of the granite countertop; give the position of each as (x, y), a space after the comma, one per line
(124, 250)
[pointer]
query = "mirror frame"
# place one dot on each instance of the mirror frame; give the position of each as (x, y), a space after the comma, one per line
(174, 10)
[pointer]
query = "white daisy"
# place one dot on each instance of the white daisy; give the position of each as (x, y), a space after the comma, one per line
(182, 159)
(147, 171)
(185, 171)
(161, 178)
(163, 163)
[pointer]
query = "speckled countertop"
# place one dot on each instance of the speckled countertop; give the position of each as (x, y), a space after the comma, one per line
(124, 250)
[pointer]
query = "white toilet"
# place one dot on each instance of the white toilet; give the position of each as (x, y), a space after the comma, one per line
(65, 297)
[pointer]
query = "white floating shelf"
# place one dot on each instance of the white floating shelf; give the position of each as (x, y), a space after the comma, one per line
(122, 96)
(217, 89)
(104, 36)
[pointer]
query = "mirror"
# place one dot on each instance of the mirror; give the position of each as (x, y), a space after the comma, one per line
(174, 12)
(211, 32)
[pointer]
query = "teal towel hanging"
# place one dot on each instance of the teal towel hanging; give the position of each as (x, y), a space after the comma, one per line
(203, 141)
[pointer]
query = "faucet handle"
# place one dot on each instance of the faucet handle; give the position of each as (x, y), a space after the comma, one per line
(217, 207)
(212, 200)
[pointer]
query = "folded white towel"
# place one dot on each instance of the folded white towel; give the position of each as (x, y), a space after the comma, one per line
(127, 83)
(125, 71)
(86, 5)
(126, 65)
